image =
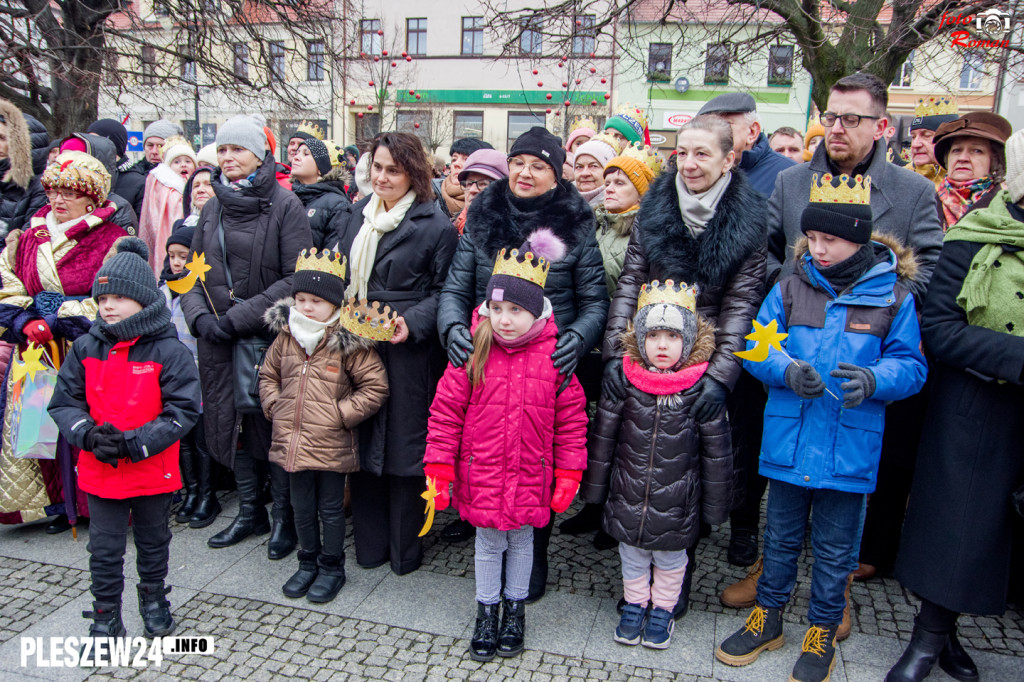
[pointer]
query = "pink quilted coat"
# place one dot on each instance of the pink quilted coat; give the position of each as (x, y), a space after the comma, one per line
(506, 437)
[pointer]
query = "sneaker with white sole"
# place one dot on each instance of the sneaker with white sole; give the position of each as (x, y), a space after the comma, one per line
(658, 631)
(631, 624)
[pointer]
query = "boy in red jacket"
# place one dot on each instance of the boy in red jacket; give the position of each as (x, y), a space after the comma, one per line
(126, 394)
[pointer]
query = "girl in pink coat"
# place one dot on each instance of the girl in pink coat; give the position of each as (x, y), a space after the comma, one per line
(510, 433)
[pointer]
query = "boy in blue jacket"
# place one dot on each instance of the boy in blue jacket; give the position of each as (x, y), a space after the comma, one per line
(853, 333)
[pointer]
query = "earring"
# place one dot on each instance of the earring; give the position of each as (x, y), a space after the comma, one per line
(90, 208)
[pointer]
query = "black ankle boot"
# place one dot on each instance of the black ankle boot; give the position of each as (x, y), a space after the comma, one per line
(207, 507)
(956, 662)
(586, 520)
(251, 520)
(742, 547)
(106, 622)
(300, 582)
(58, 525)
(484, 644)
(155, 609)
(918, 658)
(513, 627)
(188, 480)
(330, 578)
(282, 536)
(458, 531)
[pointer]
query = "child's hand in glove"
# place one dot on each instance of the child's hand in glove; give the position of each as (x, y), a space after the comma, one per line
(567, 483)
(442, 475)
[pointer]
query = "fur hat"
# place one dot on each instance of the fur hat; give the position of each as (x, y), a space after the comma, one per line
(19, 145)
(162, 129)
(520, 274)
(128, 273)
(78, 171)
(243, 131)
(1015, 165)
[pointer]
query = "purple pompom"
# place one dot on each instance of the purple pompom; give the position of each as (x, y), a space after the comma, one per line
(543, 242)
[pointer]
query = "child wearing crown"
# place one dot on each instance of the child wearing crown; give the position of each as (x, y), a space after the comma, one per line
(163, 206)
(510, 433)
(656, 470)
(321, 378)
(853, 345)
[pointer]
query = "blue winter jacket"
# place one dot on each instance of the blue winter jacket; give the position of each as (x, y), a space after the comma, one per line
(818, 443)
(761, 163)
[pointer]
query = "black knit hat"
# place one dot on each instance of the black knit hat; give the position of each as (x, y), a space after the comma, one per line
(182, 236)
(128, 274)
(320, 274)
(542, 144)
(851, 222)
(113, 131)
(318, 150)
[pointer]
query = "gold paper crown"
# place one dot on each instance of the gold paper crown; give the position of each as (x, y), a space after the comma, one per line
(373, 320)
(635, 113)
(311, 128)
(936, 106)
(330, 262)
(583, 123)
(336, 152)
(529, 267)
(859, 192)
(646, 155)
(669, 292)
(615, 143)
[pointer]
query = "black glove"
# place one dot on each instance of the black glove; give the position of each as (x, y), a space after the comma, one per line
(568, 351)
(804, 380)
(92, 436)
(208, 329)
(110, 445)
(460, 345)
(861, 384)
(227, 328)
(613, 384)
(711, 401)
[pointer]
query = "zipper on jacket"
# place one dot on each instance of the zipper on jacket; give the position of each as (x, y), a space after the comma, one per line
(650, 472)
(290, 456)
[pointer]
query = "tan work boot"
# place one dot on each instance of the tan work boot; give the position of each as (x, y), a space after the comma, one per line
(743, 594)
(844, 628)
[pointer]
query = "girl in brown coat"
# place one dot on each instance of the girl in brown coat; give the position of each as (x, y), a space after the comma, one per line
(318, 382)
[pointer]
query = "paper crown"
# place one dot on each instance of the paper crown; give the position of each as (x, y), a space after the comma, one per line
(370, 320)
(330, 262)
(530, 267)
(615, 143)
(633, 115)
(683, 295)
(585, 122)
(311, 128)
(848, 190)
(336, 153)
(646, 155)
(936, 106)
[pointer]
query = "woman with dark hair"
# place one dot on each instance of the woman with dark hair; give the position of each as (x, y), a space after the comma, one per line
(399, 246)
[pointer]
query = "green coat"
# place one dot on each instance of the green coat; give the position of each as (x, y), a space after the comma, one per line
(613, 230)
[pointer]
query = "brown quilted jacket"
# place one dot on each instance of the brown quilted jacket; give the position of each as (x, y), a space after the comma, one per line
(316, 402)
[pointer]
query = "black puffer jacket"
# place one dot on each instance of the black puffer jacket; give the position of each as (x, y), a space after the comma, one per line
(133, 182)
(265, 228)
(660, 472)
(322, 201)
(497, 219)
(726, 262)
(40, 140)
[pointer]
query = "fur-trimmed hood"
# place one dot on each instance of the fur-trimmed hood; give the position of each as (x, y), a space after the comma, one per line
(703, 344)
(907, 266)
(339, 340)
(735, 232)
(498, 219)
(19, 146)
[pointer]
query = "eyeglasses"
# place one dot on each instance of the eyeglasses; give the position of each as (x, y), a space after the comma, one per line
(480, 184)
(65, 194)
(828, 119)
(536, 168)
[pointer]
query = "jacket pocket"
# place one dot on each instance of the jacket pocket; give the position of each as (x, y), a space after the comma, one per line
(781, 428)
(858, 444)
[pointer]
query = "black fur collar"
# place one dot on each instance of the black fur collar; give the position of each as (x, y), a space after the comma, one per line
(736, 230)
(340, 340)
(495, 222)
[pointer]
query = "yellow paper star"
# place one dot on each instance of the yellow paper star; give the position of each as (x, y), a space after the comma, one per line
(33, 363)
(765, 337)
(429, 494)
(197, 269)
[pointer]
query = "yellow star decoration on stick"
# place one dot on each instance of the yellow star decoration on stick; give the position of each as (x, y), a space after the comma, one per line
(429, 494)
(33, 363)
(765, 337)
(197, 269)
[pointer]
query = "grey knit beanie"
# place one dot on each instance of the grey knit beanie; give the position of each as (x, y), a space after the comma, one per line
(242, 131)
(674, 318)
(162, 129)
(128, 274)
(1015, 165)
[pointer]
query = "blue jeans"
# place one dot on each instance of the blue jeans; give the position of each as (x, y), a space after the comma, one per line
(835, 541)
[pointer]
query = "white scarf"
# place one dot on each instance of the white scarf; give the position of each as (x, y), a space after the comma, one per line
(697, 210)
(377, 221)
(309, 332)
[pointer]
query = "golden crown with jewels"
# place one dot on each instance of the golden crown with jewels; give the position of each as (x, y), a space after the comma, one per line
(646, 155)
(683, 295)
(615, 143)
(311, 128)
(585, 122)
(849, 190)
(529, 266)
(330, 262)
(370, 320)
(936, 106)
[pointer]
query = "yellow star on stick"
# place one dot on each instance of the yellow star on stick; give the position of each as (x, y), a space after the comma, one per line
(197, 269)
(429, 494)
(33, 363)
(765, 337)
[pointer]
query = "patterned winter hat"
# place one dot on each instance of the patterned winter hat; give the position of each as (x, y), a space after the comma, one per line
(668, 306)
(80, 172)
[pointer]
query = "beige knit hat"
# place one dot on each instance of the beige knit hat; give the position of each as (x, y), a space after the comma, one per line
(1015, 165)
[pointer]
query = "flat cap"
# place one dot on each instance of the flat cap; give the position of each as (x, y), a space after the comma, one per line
(729, 103)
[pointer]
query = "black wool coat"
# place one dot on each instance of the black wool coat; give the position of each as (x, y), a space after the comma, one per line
(265, 228)
(496, 220)
(956, 543)
(408, 273)
(726, 262)
(322, 201)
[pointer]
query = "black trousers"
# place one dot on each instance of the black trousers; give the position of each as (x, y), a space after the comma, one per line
(108, 539)
(256, 438)
(387, 515)
(746, 410)
(318, 499)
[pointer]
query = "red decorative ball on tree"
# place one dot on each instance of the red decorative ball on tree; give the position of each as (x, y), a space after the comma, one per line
(565, 58)
(384, 52)
(567, 103)
(535, 72)
(390, 83)
(593, 69)
(408, 58)
(369, 107)
(394, 64)
(412, 92)
(359, 115)
(607, 95)
(362, 54)
(558, 113)
(371, 84)
(548, 110)
(603, 81)
(578, 81)
(380, 32)
(592, 55)
(593, 102)
(415, 125)
(417, 95)
(548, 95)
(404, 53)
(540, 84)
(352, 102)
(376, 58)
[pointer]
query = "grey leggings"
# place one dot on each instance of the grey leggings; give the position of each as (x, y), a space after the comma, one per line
(517, 546)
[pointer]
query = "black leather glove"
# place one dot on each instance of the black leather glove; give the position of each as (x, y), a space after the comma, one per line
(804, 380)
(711, 401)
(460, 345)
(110, 445)
(613, 383)
(861, 384)
(568, 351)
(208, 329)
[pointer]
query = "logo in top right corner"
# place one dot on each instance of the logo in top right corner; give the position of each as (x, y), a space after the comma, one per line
(993, 27)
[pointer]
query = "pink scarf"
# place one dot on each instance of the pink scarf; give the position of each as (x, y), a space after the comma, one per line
(525, 339)
(658, 383)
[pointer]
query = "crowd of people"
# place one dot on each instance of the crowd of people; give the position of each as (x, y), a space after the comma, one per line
(804, 315)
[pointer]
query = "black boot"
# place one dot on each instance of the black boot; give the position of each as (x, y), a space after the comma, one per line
(539, 572)
(330, 579)
(106, 622)
(188, 479)
(282, 535)
(58, 525)
(251, 520)
(956, 662)
(484, 644)
(513, 627)
(742, 546)
(683, 603)
(586, 520)
(155, 609)
(919, 657)
(208, 507)
(458, 531)
(298, 585)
